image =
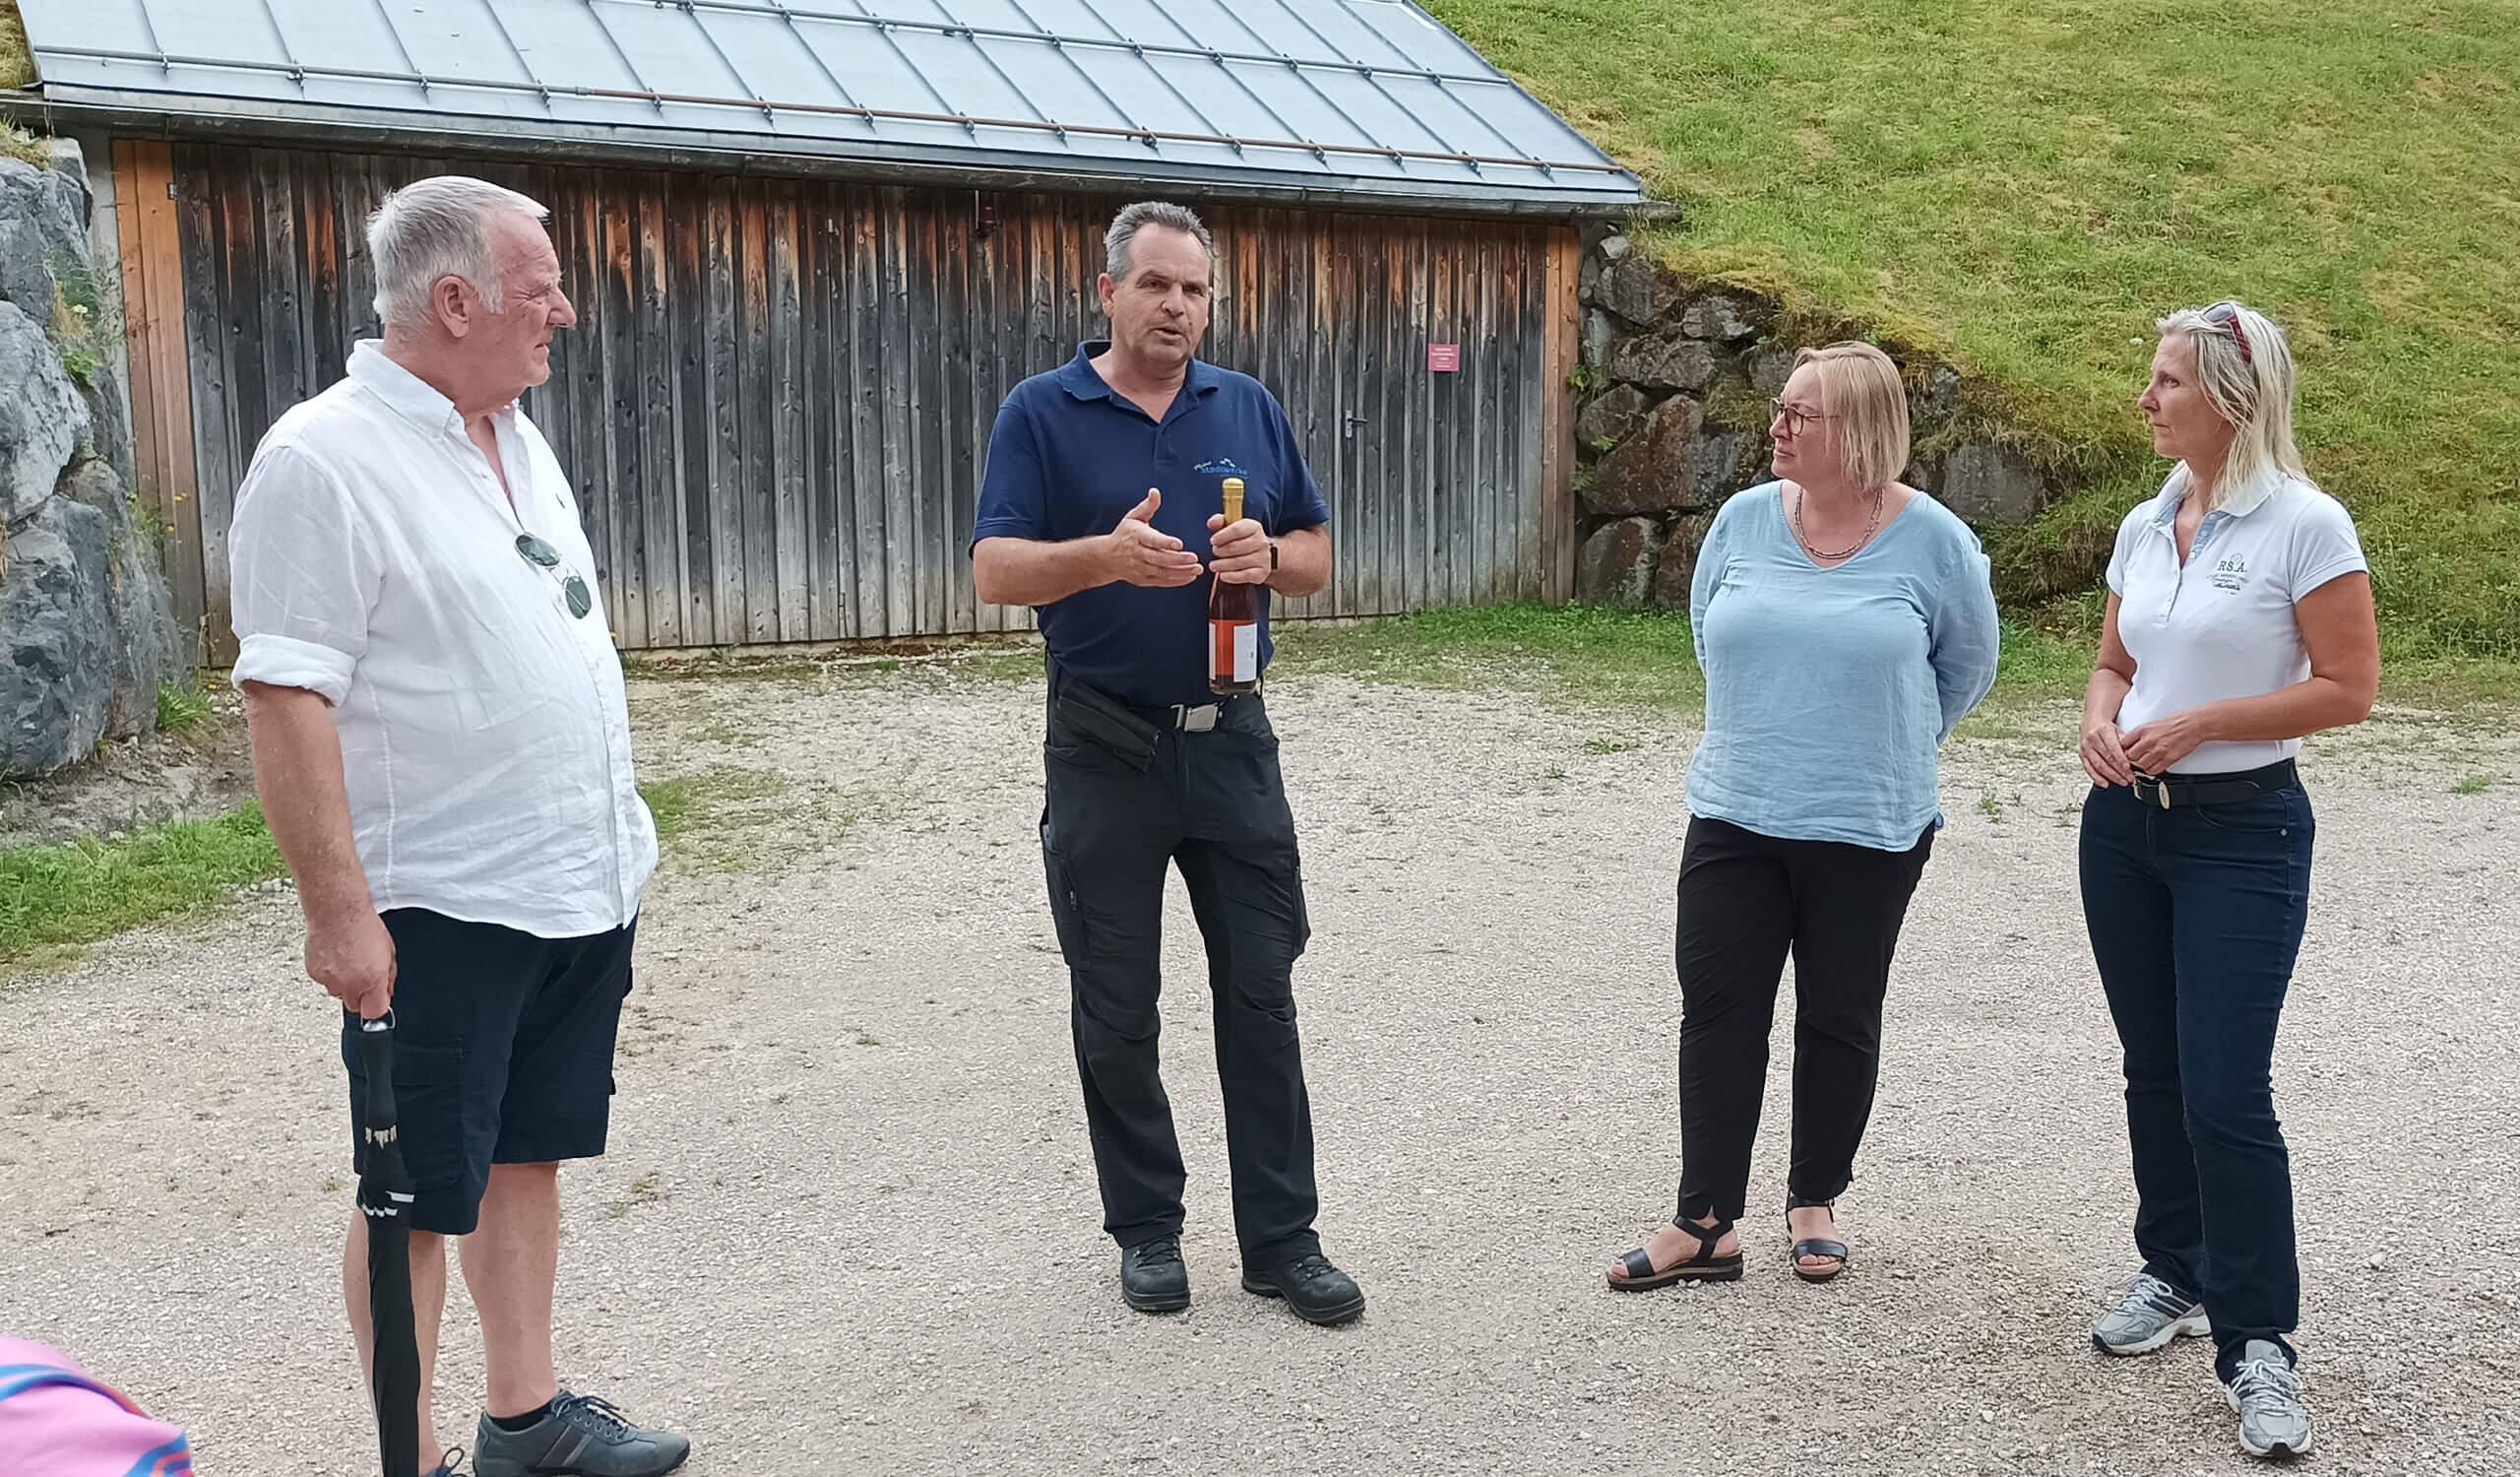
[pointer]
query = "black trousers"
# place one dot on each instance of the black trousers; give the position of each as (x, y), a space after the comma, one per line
(1213, 805)
(1744, 900)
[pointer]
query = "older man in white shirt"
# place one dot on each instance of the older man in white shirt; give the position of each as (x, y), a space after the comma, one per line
(443, 751)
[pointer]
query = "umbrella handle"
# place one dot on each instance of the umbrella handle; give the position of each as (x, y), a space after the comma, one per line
(376, 1057)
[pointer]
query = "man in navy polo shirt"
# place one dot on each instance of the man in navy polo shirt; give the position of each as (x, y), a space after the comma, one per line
(1104, 489)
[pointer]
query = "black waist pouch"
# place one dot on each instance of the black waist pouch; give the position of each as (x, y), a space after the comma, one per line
(1096, 718)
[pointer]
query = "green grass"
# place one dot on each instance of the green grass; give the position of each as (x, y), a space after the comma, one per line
(1598, 654)
(2475, 784)
(59, 896)
(1592, 652)
(2029, 184)
(55, 897)
(17, 62)
(180, 710)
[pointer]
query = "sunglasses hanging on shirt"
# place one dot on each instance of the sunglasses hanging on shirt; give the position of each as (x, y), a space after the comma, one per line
(536, 552)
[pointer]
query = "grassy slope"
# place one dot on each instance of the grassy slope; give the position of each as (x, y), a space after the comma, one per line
(2031, 183)
(17, 65)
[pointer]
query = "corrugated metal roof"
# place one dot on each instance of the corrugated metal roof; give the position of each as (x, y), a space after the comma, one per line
(1364, 96)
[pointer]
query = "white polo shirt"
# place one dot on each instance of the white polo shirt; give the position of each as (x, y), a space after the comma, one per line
(486, 736)
(2223, 624)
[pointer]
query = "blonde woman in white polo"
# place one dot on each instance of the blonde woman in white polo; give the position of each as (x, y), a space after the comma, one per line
(2239, 619)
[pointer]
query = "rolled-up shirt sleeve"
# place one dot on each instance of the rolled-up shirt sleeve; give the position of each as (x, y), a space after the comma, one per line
(303, 572)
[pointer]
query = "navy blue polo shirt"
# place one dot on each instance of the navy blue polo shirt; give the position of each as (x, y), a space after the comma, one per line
(1069, 456)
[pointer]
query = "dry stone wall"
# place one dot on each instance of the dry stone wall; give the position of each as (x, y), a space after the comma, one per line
(87, 632)
(1672, 418)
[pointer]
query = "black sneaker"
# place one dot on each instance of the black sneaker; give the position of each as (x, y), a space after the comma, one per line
(1151, 1276)
(1318, 1292)
(581, 1437)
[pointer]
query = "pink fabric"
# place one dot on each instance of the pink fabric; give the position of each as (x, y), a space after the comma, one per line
(55, 1421)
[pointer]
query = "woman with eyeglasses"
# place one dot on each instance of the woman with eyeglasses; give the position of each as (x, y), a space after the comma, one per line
(2239, 618)
(1845, 624)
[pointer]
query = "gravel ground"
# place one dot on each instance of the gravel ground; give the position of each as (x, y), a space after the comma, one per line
(849, 1224)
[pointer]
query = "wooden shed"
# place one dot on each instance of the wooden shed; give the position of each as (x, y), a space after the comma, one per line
(814, 244)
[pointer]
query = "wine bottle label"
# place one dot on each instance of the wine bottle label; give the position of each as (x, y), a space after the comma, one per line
(1237, 650)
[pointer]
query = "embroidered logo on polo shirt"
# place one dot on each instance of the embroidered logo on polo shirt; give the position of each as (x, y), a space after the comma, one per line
(1224, 467)
(2231, 573)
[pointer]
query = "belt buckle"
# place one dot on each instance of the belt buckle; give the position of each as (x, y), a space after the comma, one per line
(1198, 720)
(2160, 792)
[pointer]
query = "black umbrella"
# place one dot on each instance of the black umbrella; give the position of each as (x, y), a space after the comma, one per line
(385, 1199)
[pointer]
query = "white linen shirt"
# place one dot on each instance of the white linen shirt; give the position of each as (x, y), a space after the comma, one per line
(486, 736)
(2222, 624)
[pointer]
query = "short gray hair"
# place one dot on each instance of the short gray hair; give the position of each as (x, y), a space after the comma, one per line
(434, 227)
(1126, 226)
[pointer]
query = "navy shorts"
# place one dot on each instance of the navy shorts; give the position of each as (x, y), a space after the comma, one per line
(502, 1053)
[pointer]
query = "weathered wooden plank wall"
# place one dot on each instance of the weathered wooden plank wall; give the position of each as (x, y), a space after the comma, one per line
(775, 402)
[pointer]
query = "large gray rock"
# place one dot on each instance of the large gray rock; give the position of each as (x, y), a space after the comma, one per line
(1617, 564)
(1719, 314)
(140, 618)
(70, 161)
(26, 280)
(1673, 461)
(110, 422)
(1647, 473)
(1770, 365)
(42, 420)
(43, 219)
(56, 668)
(1609, 418)
(1933, 403)
(1662, 361)
(1985, 482)
(1631, 289)
(1598, 335)
(1677, 564)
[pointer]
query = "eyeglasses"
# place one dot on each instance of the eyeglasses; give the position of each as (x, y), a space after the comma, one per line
(536, 552)
(1795, 416)
(2226, 314)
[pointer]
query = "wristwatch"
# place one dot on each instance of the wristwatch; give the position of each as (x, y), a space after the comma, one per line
(1272, 556)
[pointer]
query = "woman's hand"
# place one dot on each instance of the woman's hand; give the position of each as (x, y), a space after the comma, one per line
(2105, 755)
(2163, 743)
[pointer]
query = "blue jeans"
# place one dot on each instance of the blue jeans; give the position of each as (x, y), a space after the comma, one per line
(2195, 916)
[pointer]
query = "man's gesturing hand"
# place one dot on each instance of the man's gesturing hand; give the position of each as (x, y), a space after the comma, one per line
(1239, 554)
(352, 957)
(1143, 557)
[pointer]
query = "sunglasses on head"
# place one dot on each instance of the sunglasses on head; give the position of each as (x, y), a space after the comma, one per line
(536, 552)
(2226, 314)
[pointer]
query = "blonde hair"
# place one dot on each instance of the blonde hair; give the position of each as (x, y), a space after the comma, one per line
(1861, 390)
(2244, 366)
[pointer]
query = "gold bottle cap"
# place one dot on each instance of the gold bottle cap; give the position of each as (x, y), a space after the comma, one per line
(1233, 499)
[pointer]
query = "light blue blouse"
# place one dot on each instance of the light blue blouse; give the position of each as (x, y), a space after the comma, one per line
(1828, 691)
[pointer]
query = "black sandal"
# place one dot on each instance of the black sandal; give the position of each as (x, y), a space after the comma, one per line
(1705, 1266)
(1813, 1245)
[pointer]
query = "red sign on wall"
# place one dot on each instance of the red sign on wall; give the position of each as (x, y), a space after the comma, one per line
(1443, 359)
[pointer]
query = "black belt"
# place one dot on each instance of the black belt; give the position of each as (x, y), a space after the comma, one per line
(1188, 717)
(2215, 789)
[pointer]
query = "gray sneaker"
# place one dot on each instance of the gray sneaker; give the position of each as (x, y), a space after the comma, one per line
(581, 1437)
(2151, 1314)
(2266, 1391)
